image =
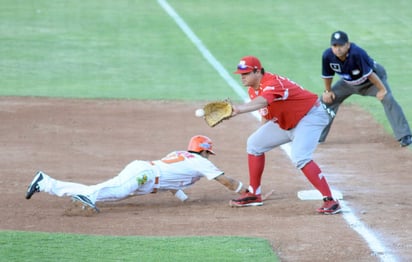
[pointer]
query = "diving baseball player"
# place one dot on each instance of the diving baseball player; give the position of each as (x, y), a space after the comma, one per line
(175, 172)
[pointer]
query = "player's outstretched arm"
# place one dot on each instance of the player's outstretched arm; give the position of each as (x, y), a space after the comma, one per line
(255, 104)
(237, 186)
(231, 184)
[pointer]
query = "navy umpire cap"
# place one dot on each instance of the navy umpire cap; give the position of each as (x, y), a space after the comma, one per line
(339, 38)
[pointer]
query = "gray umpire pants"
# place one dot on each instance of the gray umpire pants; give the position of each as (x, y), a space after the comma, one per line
(393, 110)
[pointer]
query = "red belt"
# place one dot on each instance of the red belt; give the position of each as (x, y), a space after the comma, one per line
(156, 183)
(154, 191)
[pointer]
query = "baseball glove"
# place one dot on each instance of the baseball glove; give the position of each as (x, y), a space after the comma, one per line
(216, 112)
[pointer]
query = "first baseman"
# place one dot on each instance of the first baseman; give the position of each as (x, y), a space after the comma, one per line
(175, 172)
(291, 114)
(360, 75)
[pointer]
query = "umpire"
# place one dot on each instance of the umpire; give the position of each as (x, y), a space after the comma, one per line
(360, 75)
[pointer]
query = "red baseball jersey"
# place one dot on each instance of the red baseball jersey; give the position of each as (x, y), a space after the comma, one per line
(288, 102)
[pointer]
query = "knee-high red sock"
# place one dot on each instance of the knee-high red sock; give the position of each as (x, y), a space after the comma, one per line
(315, 177)
(256, 166)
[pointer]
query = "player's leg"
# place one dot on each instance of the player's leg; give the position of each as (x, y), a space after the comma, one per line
(304, 143)
(137, 177)
(44, 183)
(341, 91)
(305, 136)
(393, 110)
(267, 137)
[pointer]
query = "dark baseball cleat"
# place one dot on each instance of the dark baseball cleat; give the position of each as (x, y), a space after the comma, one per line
(330, 206)
(34, 186)
(405, 141)
(87, 203)
(247, 199)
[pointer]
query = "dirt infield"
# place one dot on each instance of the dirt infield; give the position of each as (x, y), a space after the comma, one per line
(89, 141)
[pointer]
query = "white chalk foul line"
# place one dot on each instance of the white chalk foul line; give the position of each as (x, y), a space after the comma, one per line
(375, 245)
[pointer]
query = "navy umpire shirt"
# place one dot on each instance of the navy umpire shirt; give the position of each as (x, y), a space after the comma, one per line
(354, 70)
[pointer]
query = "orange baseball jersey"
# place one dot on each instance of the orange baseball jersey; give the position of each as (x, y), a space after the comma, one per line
(288, 102)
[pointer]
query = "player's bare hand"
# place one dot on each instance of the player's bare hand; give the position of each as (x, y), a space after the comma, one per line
(381, 94)
(328, 97)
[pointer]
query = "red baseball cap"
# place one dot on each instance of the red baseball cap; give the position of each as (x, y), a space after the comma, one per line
(248, 64)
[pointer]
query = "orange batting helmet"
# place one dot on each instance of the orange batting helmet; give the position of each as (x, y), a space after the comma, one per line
(200, 143)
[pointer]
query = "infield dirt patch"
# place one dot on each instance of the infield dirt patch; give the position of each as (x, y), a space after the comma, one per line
(89, 141)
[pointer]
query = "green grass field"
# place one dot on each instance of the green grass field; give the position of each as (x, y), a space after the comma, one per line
(134, 50)
(36, 246)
